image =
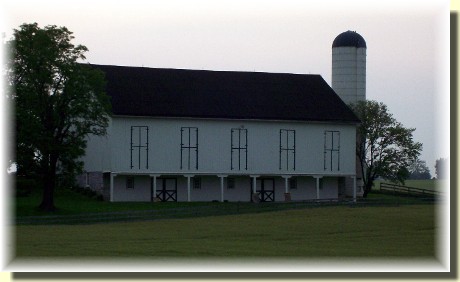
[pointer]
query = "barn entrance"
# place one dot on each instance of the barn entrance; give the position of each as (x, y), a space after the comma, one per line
(265, 188)
(167, 189)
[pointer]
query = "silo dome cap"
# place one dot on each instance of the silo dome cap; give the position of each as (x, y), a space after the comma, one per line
(349, 39)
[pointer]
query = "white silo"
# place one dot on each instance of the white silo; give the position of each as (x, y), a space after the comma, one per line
(349, 82)
(349, 66)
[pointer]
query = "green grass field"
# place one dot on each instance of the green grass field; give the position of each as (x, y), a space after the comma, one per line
(381, 232)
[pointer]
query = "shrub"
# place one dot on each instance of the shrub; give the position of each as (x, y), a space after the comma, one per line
(88, 192)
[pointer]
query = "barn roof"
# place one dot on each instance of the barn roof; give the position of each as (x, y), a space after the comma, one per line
(140, 91)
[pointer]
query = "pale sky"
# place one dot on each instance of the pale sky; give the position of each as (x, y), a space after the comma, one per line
(407, 44)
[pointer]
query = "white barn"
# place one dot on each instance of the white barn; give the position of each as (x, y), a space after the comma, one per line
(192, 135)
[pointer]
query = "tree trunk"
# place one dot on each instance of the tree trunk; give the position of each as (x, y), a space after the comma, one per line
(49, 183)
(367, 188)
(365, 192)
(47, 203)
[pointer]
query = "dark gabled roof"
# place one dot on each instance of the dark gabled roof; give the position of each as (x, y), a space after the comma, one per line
(139, 91)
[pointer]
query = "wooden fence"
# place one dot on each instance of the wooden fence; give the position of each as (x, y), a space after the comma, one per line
(406, 190)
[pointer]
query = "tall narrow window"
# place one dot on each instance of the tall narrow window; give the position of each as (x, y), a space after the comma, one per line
(139, 147)
(287, 149)
(332, 150)
(239, 149)
(189, 148)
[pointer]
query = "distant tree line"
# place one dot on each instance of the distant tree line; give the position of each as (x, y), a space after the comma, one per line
(419, 170)
(442, 168)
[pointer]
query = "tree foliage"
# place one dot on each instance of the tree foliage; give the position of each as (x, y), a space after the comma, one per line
(442, 168)
(385, 148)
(419, 170)
(57, 103)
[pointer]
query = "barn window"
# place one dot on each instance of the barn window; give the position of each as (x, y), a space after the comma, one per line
(130, 182)
(332, 150)
(292, 183)
(230, 183)
(287, 149)
(189, 148)
(139, 147)
(197, 183)
(239, 149)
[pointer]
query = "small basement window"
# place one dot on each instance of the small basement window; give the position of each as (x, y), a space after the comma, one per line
(230, 183)
(130, 182)
(197, 183)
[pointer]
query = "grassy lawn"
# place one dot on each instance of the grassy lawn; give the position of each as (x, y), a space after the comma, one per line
(69, 202)
(406, 229)
(331, 232)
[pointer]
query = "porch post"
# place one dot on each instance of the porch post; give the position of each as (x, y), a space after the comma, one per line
(188, 188)
(354, 189)
(154, 176)
(286, 185)
(254, 197)
(154, 188)
(287, 194)
(112, 176)
(317, 186)
(222, 187)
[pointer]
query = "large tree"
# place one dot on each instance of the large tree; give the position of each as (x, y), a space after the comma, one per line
(385, 148)
(57, 101)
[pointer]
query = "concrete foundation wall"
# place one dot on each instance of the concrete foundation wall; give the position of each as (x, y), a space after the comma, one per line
(210, 189)
(141, 191)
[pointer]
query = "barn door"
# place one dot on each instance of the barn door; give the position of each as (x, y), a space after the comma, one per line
(167, 189)
(265, 188)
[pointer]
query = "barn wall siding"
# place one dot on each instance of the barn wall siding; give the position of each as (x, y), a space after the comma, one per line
(113, 153)
(214, 146)
(329, 189)
(97, 153)
(140, 193)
